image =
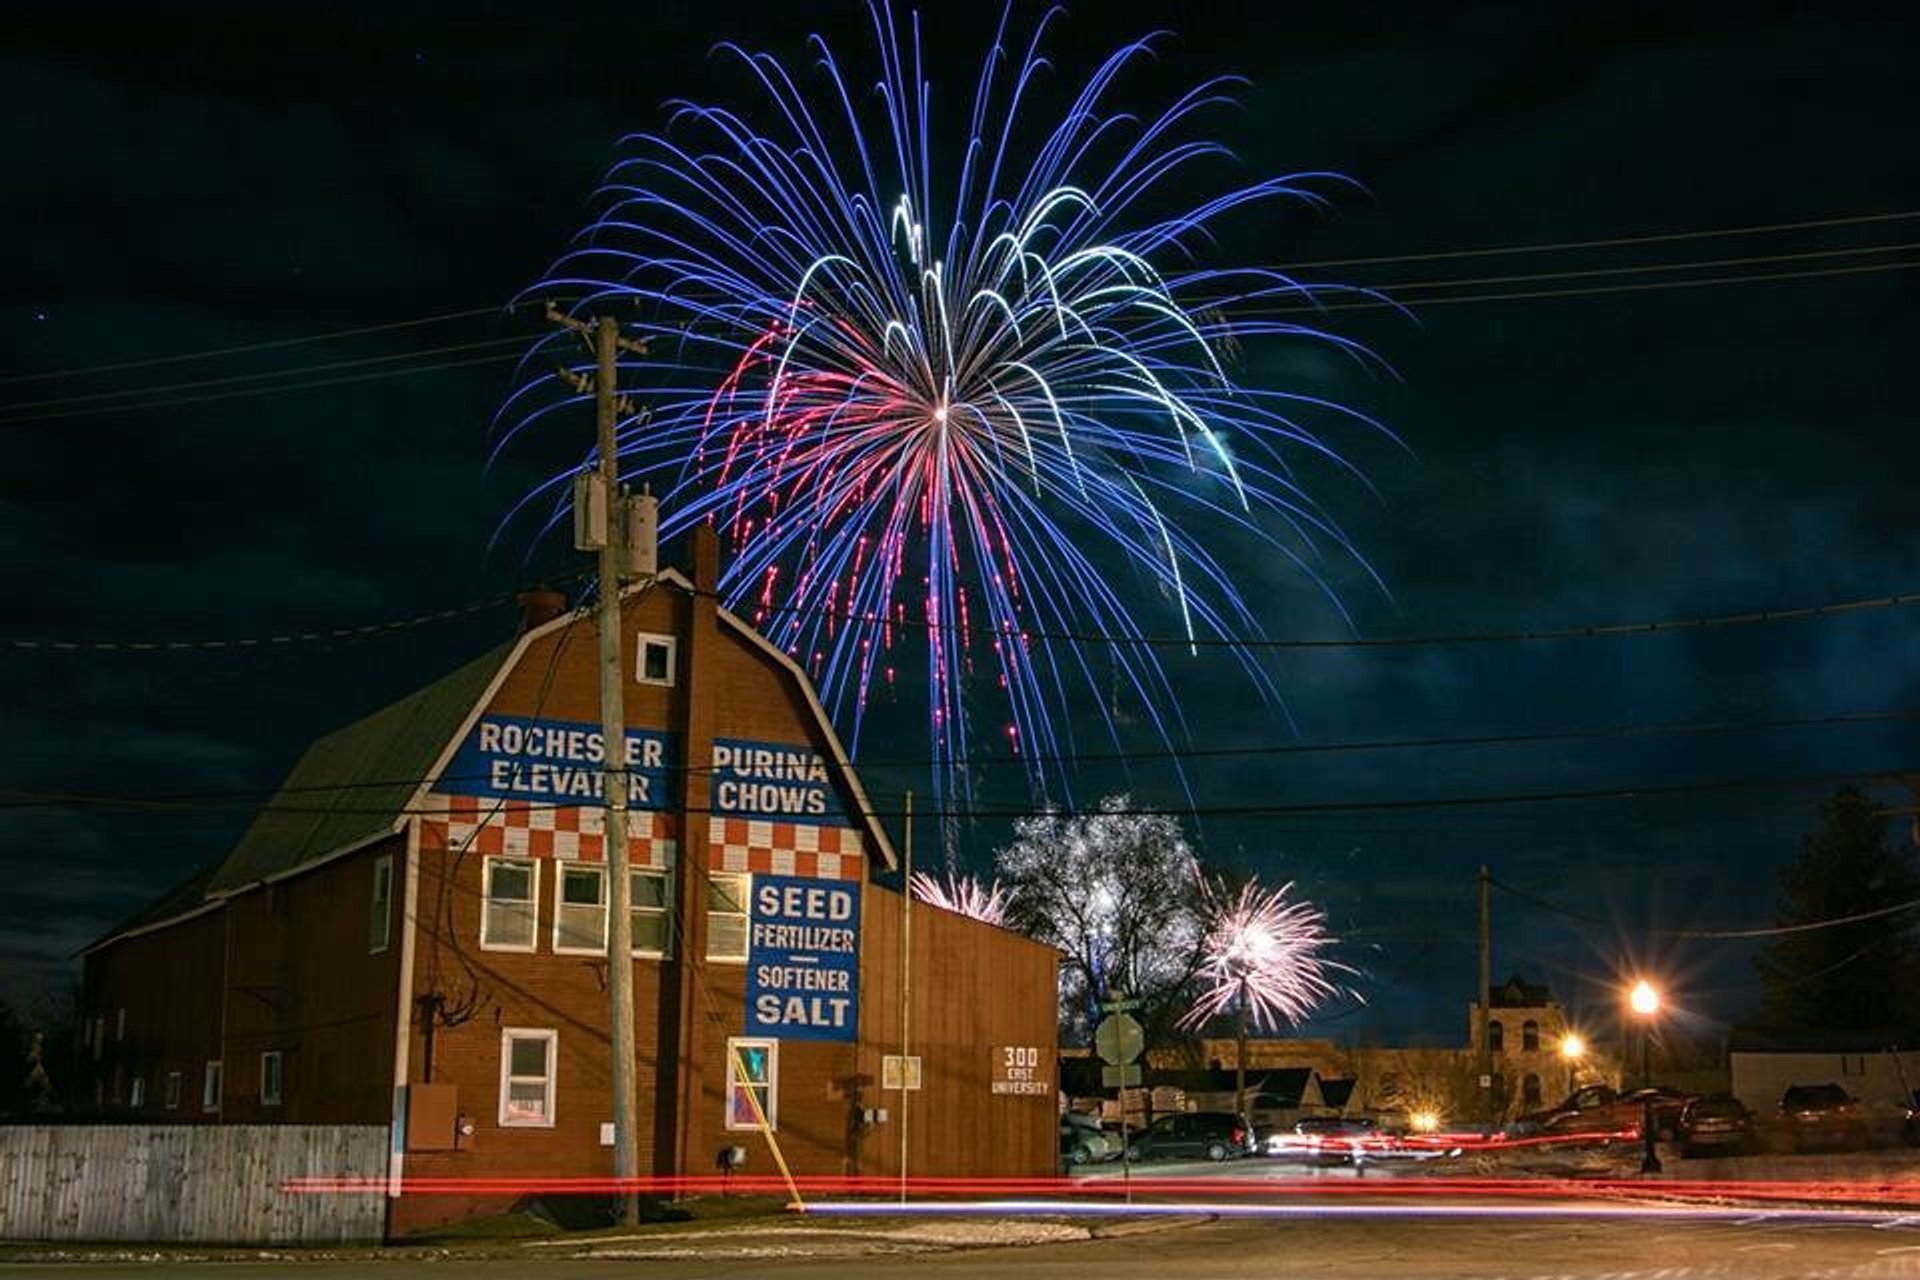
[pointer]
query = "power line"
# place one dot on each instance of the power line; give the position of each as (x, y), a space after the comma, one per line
(1772, 931)
(1594, 631)
(1663, 237)
(216, 352)
(1597, 631)
(1592, 291)
(1258, 749)
(261, 642)
(1316, 307)
(38, 799)
(1646, 268)
(169, 388)
(212, 353)
(277, 389)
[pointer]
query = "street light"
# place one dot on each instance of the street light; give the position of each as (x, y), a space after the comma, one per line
(1644, 1000)
(1572, 1048)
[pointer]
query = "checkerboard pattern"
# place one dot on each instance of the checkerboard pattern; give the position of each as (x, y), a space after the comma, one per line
(568, 834)
(518, 829)
(784, 849)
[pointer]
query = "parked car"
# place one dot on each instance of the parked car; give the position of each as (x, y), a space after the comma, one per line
(1668, 1106)
(1818, 1116)
(1217, 1135)
(1599, 1108)
(1718, 1122)
(1084, 1141)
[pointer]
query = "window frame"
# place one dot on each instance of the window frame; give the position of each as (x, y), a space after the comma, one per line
(772, 1086)
(1530, 1036)
(671, 644)
(745, 915)
(172, 1091)
(278, 1094)
(1496, 1036)
(551, 1038)
(532, 901)
(380, 907)
(137, 1094)
(213, 1085)
(560, 904)
(664, 911)
(120, 1024)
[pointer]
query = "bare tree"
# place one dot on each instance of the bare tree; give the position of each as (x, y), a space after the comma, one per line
(1118, 893)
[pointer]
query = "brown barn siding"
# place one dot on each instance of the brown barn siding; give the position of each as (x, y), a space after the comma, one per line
(976, 989)
(301, 980)
(169, 982)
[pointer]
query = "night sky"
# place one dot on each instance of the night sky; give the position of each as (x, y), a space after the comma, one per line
(189, 179)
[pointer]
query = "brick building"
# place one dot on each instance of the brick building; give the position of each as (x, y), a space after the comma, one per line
(413, 933)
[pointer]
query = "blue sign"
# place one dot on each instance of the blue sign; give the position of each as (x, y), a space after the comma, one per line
(555, 762)
(773, 781)
(803, 958)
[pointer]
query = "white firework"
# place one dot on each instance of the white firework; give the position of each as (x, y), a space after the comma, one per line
(962, 895)
(1263, 953)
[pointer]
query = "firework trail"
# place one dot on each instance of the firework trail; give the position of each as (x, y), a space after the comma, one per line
(964, 400)
(963, 895)
(1264, 951)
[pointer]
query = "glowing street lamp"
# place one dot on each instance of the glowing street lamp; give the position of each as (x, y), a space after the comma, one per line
(1644, 1000)
(1573, 1047)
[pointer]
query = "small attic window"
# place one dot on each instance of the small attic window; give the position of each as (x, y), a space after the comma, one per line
(656, 659)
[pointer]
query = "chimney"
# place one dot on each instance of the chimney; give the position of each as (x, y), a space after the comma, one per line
(706, 560)
(539, 605)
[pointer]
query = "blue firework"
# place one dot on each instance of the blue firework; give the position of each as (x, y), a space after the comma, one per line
(956, 391)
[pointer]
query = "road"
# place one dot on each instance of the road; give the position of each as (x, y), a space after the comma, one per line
(1548, 1247)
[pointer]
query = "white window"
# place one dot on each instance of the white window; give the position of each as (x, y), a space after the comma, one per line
(580, 915)
(380, 909)
(173, 1091)
(651, 912)
(510, 904)
(526, 1077)
(753, 1083)
(138, 1098)
(210, 1088)
(270, 1078)
(655, 665)
(727, 915)
(119, 1025)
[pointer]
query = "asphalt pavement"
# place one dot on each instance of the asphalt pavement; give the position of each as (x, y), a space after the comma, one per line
(1554, 1243)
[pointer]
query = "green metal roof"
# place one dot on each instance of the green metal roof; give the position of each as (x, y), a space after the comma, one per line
(352, 785)
(177, 901)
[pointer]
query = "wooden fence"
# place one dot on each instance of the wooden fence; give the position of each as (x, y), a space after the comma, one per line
(206, 1183)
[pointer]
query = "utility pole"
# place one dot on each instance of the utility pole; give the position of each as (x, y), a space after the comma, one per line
(906, 987)
(1484, 1062)
(601, 524)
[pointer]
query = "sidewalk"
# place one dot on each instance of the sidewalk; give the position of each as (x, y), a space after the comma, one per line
(769, 1236)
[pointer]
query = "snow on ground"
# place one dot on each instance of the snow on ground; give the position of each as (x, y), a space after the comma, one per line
(754, 1242)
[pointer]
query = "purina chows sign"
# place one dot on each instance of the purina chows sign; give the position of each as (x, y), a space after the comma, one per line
(559, 762)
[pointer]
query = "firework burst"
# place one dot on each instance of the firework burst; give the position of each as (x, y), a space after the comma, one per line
(973, 395)
(1265, 953)
(962, 895)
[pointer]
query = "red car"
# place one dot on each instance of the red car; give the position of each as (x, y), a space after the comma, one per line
(1600, 1109)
